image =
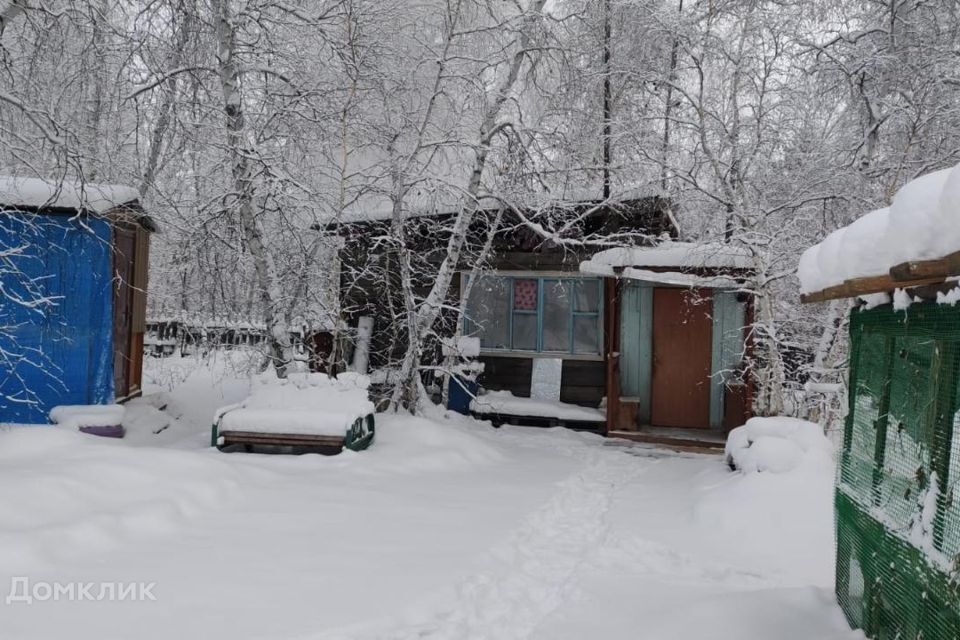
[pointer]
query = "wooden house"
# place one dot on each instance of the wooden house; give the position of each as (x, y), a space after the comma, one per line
(631, 350)
(74, 276)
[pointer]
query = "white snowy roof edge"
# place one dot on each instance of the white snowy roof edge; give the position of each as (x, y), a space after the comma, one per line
(630, 262)
(374, 208)
(922, 223)
(680, 279)
(37, 193)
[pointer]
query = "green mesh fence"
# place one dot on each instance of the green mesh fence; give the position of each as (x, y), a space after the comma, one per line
(898, 524)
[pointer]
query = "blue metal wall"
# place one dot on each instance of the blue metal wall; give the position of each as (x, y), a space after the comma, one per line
(60, 350)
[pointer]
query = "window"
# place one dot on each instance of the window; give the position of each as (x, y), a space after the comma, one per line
(534, 314)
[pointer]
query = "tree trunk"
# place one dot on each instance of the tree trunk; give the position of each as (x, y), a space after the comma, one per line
(280, 350)
(429, 310)
(162, 125)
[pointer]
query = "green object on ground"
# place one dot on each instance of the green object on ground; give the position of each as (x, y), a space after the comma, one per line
(360, 434)
(898, 511)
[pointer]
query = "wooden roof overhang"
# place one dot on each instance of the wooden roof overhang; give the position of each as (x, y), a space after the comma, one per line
(682, 276)
(907, 275)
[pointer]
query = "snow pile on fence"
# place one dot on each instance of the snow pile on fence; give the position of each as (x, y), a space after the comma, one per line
(301, 403)
(923, 223)
(507, 404)
(777, 445)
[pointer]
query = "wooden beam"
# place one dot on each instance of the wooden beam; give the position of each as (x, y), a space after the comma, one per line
(865, 286)
(279, 439)
(669, 441)
(906, 275)
(941, 267)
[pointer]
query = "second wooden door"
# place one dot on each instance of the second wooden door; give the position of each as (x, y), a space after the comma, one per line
(682, 336)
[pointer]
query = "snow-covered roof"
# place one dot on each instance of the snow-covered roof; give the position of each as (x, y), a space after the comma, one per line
(680, 255)
(680, 279)
(374, 207)
(36, 193)
(923, 223)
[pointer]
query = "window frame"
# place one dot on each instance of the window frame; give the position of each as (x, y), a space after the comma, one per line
(469, 328)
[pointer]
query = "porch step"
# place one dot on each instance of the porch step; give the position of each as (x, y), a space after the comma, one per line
(499, 419)
(680, 439)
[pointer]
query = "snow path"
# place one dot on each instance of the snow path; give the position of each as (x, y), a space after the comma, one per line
(539, 568)
(530, 575)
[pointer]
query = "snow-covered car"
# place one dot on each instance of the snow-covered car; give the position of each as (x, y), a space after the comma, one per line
(302, 412)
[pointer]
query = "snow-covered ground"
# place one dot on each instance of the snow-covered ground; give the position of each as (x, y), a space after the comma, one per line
(444, 528)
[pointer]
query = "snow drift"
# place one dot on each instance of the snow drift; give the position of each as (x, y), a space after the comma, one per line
(777, 445)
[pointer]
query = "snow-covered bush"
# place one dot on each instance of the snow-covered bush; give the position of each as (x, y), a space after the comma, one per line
(776, 445)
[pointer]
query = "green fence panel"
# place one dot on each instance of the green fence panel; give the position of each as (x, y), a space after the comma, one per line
(898, 521)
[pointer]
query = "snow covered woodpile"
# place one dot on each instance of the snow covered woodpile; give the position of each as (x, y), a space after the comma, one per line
(913, 241)
(777, 445)
(291, 410)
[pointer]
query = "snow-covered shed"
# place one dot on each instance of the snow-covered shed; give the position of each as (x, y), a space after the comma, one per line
(538, 317)
(898, 521)
(676, 335)
(73, 278)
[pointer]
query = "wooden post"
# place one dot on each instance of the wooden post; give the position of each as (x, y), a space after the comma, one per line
(946, 371)
(748, 347)
(611, 343)
(883, 420)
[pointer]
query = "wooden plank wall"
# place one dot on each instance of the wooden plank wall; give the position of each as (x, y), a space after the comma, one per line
(583, 382)
(507, 374)
(138, 320)
(141, 264)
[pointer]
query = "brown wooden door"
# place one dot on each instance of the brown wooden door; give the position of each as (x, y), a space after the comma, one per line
(682, 336)
(124, 248)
